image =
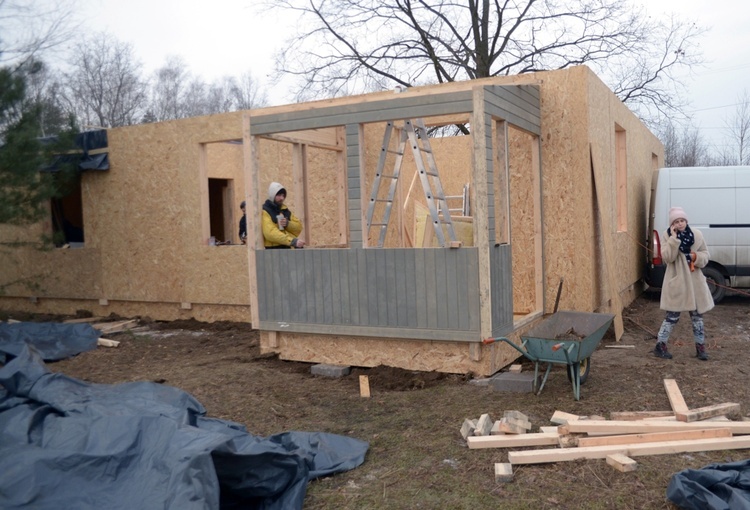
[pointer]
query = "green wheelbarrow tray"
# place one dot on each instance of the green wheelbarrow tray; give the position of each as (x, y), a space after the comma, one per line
(566, 338)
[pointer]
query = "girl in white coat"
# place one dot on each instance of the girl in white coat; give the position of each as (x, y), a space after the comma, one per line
(684, 289)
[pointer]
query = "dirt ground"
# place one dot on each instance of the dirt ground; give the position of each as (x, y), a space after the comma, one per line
(417, 457)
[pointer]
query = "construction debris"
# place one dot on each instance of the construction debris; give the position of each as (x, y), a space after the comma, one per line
(105, 342)
(503, 472)
(628, 434)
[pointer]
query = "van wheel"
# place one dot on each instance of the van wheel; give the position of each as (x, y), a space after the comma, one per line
(713, 276)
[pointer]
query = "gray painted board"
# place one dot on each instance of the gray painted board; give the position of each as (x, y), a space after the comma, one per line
(414, 289)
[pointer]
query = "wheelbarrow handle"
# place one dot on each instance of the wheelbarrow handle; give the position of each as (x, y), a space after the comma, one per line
(503, 339)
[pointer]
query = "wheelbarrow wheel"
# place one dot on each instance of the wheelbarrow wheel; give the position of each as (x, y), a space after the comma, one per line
(584, 368)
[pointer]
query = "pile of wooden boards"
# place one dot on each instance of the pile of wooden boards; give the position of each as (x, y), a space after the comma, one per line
(625, 435)
(106, 328)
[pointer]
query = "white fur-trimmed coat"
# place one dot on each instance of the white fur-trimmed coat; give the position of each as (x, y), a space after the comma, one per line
(682, 290)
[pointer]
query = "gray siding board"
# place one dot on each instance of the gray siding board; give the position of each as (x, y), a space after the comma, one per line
(472, 282)
(363, 112)
(413, 290)
(370, 331)
(410, 289)
(502, 289)
(518, 97)
(420, 288)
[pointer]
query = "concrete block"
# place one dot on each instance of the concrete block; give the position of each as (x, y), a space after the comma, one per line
(517, 383)
(330, 370)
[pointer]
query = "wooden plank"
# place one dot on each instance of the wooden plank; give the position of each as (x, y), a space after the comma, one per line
(621, 462)
(503, 472)
(364, 386)
(702, 413)
(371, 331)
(251, 168)
(614, 290)
(675, 396)
(510, 441)
(515, 369)
(467, 428)
(484, 425)
(562, 418)
(631, 450)
(639, 415)
(83, 320)
(105, 342)
(654, 437)
(644, 426)
(115, 327)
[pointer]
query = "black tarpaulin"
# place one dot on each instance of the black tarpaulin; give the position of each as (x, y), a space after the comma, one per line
(65, 443)
(87, 141)
(714, 487)
(53, 341)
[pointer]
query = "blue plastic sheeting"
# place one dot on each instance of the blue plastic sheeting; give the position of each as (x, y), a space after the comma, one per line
(65, 443)
(52, 341)
(714, 487)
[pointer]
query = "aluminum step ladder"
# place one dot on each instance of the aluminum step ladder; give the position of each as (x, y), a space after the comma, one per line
(415, 132)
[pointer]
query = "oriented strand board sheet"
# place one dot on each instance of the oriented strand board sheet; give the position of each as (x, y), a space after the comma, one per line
(448, 357)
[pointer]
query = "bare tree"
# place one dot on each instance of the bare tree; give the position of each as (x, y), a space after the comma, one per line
(357, 45)
(104, 87)
(29, 28)
(247, 93)
(738, 127)
(168, 90)
(685, 147)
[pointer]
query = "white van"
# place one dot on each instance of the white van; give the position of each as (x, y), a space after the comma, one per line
(717, 202)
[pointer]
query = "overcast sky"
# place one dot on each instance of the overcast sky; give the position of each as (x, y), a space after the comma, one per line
(228, 37)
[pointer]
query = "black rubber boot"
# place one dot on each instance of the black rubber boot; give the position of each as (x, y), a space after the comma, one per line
(700, 352)
(660, 351)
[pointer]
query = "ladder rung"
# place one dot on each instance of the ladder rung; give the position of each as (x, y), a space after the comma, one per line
(400, 153)
(378, 224)
(390, 176)
(384, 200)
(432, 174)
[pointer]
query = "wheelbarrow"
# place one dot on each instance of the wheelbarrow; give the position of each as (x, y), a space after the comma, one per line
(564, 337)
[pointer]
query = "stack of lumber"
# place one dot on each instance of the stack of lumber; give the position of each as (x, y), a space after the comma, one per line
(625, 435)
(106, 328)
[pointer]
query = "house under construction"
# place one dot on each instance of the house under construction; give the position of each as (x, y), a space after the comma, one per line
(419, 247)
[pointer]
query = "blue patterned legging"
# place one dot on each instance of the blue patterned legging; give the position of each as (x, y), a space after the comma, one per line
(669, 322)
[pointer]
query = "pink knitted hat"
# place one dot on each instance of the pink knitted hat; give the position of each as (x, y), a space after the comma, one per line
(675, 213)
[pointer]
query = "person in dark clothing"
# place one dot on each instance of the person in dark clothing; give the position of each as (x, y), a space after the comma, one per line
(243, 224)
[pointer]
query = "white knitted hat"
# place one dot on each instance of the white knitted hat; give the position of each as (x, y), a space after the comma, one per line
(675, 213)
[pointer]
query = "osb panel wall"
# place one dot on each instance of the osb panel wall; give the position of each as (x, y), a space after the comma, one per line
(60, 273)
(522, 191)
(156, 311)
(448, 357)
(604, 112)
(148, 211)
(323, 197)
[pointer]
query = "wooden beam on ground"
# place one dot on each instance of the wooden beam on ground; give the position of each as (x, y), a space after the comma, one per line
(503, 472)
(654, 437)
(675, 396)
(509, 441)
(647, 426)
(115, 327)
(561, 418)
(631, 450)
(83, 320)
(639, 415)
(105, 342)
(621, 462)
(364, 386)
(702, 413)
